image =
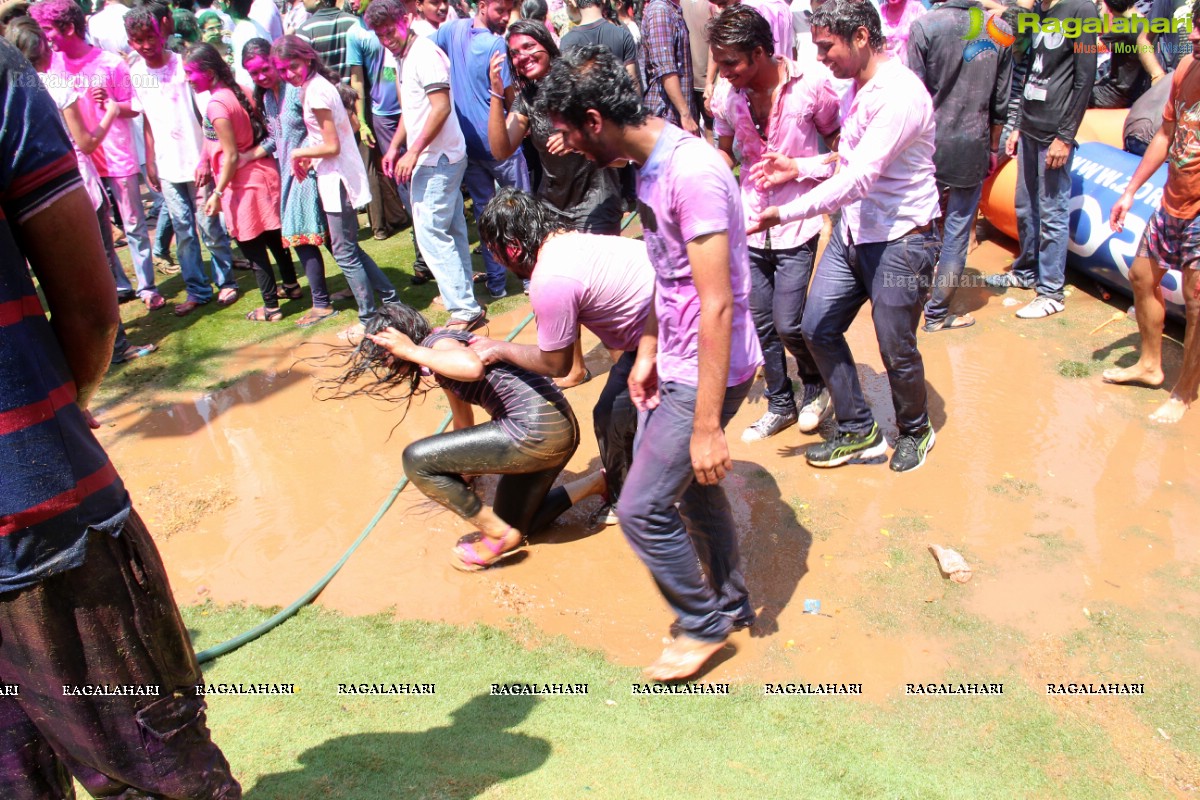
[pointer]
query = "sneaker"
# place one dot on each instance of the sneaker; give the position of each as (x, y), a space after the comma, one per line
(603, 516)
(1005, 280)
(498, 295)
(1041, 306)
(847, 446)
(767, 426)
(911, 450)
(815, 408)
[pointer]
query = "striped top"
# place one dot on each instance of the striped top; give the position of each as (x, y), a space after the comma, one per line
(516, 399)
(56, 482)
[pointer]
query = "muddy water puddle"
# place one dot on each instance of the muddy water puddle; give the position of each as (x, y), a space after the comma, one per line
(1055, 488)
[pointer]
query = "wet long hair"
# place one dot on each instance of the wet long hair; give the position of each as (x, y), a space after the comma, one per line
(368, 370)
(514, 225)
(539, 33)
(293, 47)
(206, 57)
(257, 48)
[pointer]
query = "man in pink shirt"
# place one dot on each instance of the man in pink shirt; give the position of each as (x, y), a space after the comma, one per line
(697, 356)
(97, 75)
(778, 15)
(884, 247)
(770, 103)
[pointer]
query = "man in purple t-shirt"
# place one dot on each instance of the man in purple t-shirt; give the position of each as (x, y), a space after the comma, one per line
(604, 283)
(697, 356)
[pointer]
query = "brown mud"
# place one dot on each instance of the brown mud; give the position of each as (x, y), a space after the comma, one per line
(1056, 489)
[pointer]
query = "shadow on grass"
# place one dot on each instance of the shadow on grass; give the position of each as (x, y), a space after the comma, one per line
(453, 762)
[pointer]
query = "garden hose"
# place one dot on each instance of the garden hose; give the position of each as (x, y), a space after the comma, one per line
(275, 621)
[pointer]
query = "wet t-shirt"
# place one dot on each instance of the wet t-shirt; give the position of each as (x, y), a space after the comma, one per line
(1181, 196)
(685, 191)
(513, 397)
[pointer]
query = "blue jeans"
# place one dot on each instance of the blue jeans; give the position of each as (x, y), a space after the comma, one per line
(778, 291)
(128, 196)
(1043, 200)
(104, 217)
(164, 230)
(895, 277)
(438, 218)
(481, 179)
(958, 215)
(179, 200)
(362, 273)
(673, 542)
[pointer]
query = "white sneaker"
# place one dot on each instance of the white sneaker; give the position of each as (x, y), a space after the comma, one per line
(817, 406)
(768, 425)
(1040, 307)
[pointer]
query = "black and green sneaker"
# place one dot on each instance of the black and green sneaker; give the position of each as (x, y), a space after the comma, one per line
(847, 446)
(911, 450)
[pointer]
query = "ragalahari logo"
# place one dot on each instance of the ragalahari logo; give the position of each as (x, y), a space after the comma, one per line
(987, 33)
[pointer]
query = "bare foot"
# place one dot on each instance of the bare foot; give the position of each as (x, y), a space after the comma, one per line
(1135, 374)
(573, 380)
(1170, 412)
(682, 658)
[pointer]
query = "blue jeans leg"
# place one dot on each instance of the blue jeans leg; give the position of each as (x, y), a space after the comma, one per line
(442, 233)
(958, 215)
(164, 231)
(834, 299)
(899, 273)
(179, 207)
(104, 216)
(481, 179)
(1055, 200)
(216, 239)
(127, 193)
(778, 292)
(362, 274)
(661, 475)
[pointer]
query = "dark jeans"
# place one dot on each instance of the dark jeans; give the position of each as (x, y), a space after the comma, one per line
(615, 421)
(255, 251)
(314, 268)
(691, 551)
(385, 211)
(958, 217)
(895, 277)
(385, 129)
(524, 498)
(778, 291)
(112, 621)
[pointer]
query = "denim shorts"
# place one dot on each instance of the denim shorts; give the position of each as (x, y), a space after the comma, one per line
(1173, 242)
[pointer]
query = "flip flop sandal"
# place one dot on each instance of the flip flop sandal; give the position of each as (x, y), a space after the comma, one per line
(293, 292)
(479, 277)
(132, 352)
(467, 558)
(155, 301)
(310, 319)
(947, 324)
(227, 296)
(344, 294)
(263, 314)
(186, 307)
(467, 325)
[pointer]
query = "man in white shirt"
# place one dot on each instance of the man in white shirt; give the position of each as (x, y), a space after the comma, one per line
(265, 13)
(107, 30)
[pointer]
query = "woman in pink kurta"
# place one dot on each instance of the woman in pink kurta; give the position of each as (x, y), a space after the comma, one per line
(248, 191)
(897, 17)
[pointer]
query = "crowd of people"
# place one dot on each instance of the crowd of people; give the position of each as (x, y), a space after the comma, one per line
(736, 130)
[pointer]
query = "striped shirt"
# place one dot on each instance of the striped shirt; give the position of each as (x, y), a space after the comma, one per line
(56, 482)
(328, 31)
(527, 406)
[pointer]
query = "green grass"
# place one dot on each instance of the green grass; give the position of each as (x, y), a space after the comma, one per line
(463, 743)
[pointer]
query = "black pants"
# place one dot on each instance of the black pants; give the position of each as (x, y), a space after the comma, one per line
(615, 421)
(256, 251)
(524, 498)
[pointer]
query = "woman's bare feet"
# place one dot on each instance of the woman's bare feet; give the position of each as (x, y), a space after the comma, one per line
(682, 658)
(1138, 373)
(1170, 412)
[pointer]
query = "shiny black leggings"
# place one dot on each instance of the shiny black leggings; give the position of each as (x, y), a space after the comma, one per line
(524, 497)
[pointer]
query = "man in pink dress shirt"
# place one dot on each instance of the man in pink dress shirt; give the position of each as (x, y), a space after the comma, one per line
(885, 245)
(771, 103)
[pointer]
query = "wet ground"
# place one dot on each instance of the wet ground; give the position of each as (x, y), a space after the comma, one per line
(1053, 485)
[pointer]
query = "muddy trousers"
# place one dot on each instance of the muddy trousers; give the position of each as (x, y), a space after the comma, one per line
(524, 498)
(111, 622)
(691, 551)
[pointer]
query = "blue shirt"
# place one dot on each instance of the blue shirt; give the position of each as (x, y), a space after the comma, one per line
(364, 50)
(470, 50)
(56, 482)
